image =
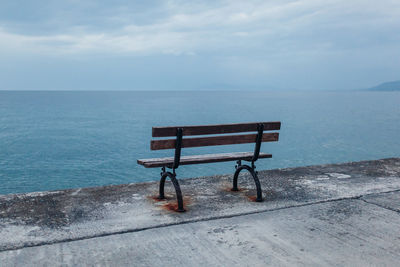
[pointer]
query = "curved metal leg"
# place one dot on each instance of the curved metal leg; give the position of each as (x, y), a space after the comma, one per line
(176, 186)
(255, 177)
(162, 183)
(235, 178)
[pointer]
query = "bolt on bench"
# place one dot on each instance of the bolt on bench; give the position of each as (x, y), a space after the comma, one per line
(224, 139)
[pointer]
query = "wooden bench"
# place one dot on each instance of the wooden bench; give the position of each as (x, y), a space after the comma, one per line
(222, 135)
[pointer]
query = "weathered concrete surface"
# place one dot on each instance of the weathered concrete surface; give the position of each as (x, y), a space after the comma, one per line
(341, 233)
(367, 190)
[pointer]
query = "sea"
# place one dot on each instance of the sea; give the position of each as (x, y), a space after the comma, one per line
(52, 140)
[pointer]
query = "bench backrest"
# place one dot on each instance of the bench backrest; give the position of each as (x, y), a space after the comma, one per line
(180, 131)
(214, 130)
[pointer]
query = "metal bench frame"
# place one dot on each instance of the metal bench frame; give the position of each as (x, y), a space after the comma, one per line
(239, 167)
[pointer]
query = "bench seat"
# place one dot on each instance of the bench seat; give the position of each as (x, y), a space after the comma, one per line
(197, 159)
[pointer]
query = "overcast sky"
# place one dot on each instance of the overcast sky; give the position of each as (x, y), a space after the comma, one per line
(198, 45)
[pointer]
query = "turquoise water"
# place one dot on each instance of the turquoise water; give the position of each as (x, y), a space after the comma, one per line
(58, 140)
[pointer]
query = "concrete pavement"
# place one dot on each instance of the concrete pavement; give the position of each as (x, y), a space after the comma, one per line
(339, 214)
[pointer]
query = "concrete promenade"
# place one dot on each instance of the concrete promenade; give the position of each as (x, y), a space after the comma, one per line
(341, 214)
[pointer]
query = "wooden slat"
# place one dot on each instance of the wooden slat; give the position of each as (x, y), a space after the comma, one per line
(197, 159)
(213, 141)
(215, 129)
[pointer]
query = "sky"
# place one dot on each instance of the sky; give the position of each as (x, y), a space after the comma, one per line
(198, 45)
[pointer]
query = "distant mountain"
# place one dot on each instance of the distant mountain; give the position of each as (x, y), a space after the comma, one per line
(388, 86)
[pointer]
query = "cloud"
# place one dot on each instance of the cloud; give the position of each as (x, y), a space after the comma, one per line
(187, 29)
(259, 40)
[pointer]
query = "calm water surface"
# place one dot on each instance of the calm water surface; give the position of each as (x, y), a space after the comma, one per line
(58, 140)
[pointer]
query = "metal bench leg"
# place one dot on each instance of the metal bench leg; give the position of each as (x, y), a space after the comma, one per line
(172, 176)
(239, 168)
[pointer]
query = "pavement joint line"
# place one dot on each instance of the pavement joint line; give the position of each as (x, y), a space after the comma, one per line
(381, 206)
(376, 204)
(66, 240)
